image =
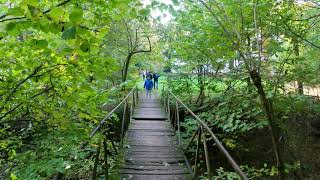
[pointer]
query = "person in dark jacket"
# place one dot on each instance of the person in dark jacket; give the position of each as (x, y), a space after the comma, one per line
(148, 85)
(155, 80)
(149, 74)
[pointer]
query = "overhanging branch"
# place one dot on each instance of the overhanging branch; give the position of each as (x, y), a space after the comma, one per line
(141, 51)
(23, 17)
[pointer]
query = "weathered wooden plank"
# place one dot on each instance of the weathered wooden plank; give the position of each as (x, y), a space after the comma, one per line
(154, 171)
(148, 112)
(154, 135)
(144, 162)
(152, 109)
(161, 160)
(161, 167)
(137, 130)
(148, 126)
(155, 153)
(156, 177)
(148, 122)
(151, 149)
(148, 106)
(149, 116)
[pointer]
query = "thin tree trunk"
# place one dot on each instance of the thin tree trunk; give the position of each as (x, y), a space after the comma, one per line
(202, 86)
(105, 148)
(96, 161)
(297, 54)
(126, 67)
(300, 87)
(267, 104)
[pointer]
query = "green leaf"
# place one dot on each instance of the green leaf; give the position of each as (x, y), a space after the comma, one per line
(55, 28)
(85, 46)
(42, 43)
(175, 2)
(76, 15)
(12, 154)
(56, 13)
(13, 176)
(144, 12)
(154, 3)
(33, 11)
(69, 33)
(17, 11)
(10, 26)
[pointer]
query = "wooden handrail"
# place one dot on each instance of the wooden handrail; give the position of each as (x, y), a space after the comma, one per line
(111, 112)
(203, 126)
(105, 144)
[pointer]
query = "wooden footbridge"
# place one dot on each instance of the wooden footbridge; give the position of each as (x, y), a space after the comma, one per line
(152, 140)
(153, 151)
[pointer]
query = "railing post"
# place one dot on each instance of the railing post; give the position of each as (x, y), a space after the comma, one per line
(165, 103)
(197, 155)
(96, 161)
(131, 107)
(137, 97)
(134, 99)
(192, 138)
(206, 153)
(105, 147)
(168, 101)
(178, 121)
(123, 120)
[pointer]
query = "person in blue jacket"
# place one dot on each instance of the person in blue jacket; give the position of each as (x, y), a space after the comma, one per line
(148, 85)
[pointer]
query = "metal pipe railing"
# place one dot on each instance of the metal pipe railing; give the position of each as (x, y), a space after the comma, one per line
(201, 132)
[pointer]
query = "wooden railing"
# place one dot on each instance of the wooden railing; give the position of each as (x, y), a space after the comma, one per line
(133, 96)
(169, 97)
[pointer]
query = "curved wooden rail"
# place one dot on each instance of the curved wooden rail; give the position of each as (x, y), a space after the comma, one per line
(201, 134)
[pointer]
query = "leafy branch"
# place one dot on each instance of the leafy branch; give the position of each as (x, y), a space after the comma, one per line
(298, 35)
(21, 103)
(23, 17)
(33, 74)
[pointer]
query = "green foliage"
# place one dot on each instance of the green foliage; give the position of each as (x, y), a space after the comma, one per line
(56, 72)
(213, 49)
(69, 33)
(76, 15)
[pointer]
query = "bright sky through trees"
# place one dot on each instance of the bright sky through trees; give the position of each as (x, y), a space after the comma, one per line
(164, 15)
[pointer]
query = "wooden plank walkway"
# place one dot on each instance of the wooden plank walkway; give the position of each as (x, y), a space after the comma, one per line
(152, 153)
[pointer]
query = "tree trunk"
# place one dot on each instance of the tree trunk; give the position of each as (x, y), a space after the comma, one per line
(126, 67)
(105, 148)
(201, 86)
(267, 104)
(300, 87)
(297, 54)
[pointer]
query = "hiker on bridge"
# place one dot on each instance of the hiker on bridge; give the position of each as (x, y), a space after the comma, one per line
(143, 74)
(155, 80)
(148, 85)
(149, 74)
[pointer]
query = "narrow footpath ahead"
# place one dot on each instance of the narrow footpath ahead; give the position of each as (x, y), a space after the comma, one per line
(152, 153)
